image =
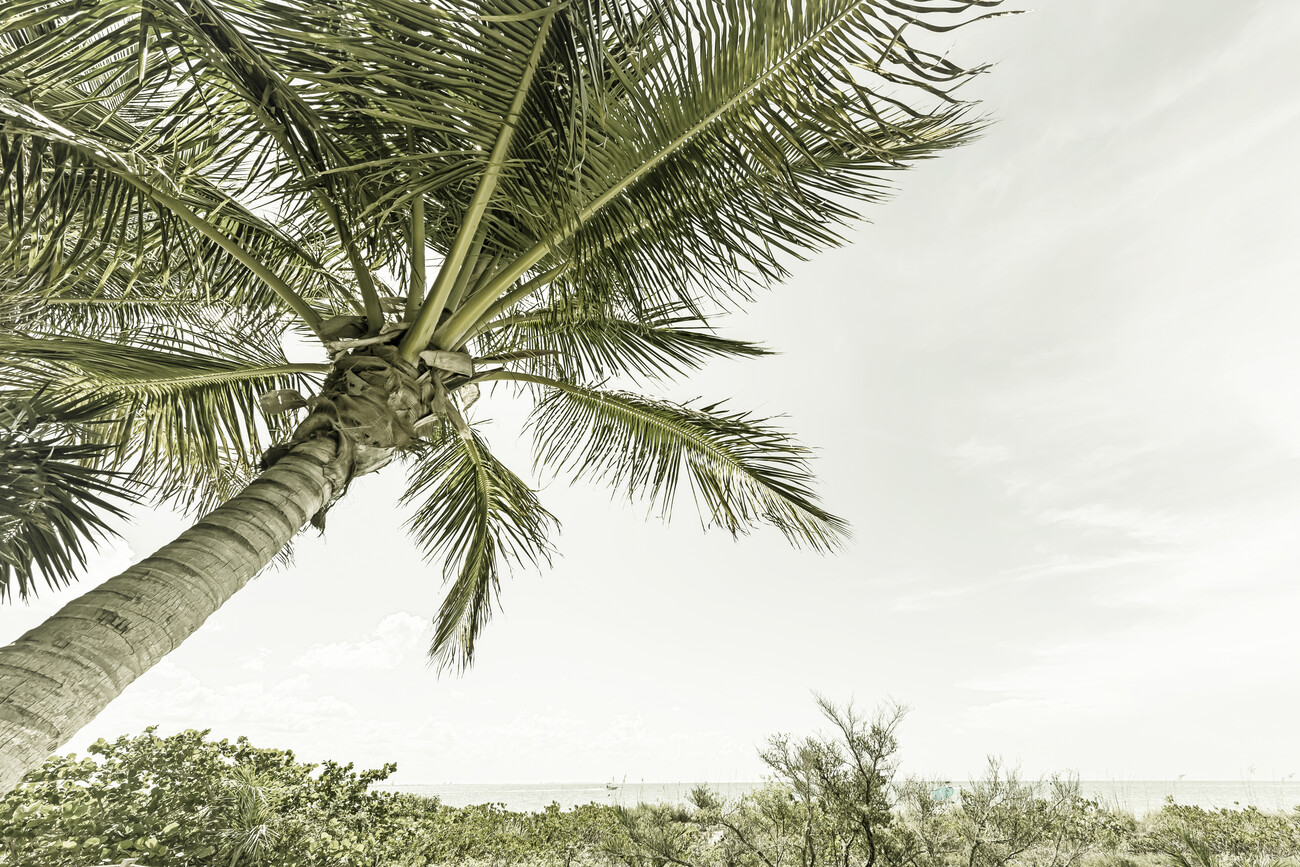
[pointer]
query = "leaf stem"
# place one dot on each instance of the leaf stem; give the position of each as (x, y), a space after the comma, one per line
(415, 292)
(501, 305)
(426, 322)
(516, 376)
(295, 301)
(369, 294)
(471, 269)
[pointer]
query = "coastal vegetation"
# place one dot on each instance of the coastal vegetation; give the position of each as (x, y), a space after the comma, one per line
(189, 801)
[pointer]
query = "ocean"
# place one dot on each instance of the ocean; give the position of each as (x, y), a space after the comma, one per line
(1136, 796)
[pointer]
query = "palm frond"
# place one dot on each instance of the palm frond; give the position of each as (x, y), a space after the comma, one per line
(127, 100)
(54, 499)
(474, 513)
(189, 422)
(283, 116)
(156, 69)
(737, 96)
(724, 237)
(574, 342)
(106, 294)
(72, 312)
(468, 235)
(91, 200)
(741, 470)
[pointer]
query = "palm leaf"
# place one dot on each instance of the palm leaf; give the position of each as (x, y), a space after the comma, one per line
(468, 236)
(53, 497)
(474, 513)
(280, 114)
(188, 414)
(71, 312)
(156, 151)
(135, 210)
(107, 294)
(736, 94)
(741, 470)
(726, 236)
(570, 341)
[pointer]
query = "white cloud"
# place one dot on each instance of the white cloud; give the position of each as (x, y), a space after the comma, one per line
(296, 713)
(255, 661)
(973, 454)
(387, 645)
(1060, 565)
(173, 698)
(1216, 636)
(1138, 524)
(929, 600)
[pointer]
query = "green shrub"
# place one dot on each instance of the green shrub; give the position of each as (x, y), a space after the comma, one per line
(1188, 836)
(836, 800)
(186, 801)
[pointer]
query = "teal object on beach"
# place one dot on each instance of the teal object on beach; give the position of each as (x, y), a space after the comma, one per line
(942, 793)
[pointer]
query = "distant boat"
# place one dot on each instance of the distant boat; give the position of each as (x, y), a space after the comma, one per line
(613, 786)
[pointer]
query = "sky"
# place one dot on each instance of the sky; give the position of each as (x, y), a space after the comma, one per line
(1052, 385)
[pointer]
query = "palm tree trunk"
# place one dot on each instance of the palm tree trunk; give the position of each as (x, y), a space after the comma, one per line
(60, 675)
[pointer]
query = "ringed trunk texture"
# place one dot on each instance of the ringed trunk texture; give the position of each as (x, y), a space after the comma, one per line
(60, 675)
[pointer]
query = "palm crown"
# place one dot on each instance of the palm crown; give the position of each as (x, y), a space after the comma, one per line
(444, 195)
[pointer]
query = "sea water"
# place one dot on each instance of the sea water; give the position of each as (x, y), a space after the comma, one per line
(1135, 796)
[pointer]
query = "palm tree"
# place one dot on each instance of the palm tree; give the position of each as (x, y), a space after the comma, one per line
(553, 199)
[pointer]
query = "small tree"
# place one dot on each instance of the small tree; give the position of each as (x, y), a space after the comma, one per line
(843, 781)
(830, 802)
(1002, 820)
(834, 800)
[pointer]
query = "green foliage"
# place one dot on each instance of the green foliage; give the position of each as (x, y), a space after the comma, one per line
(53, 499)
(475, 512)
(741, 470)
(835, 799)
(181, 410)
(587, 342)
(1190, 836)
(1002, 820)
(187, 801)
(491, 834)
(831, 800)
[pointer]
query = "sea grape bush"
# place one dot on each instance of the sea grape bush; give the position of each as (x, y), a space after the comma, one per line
(187, 801)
